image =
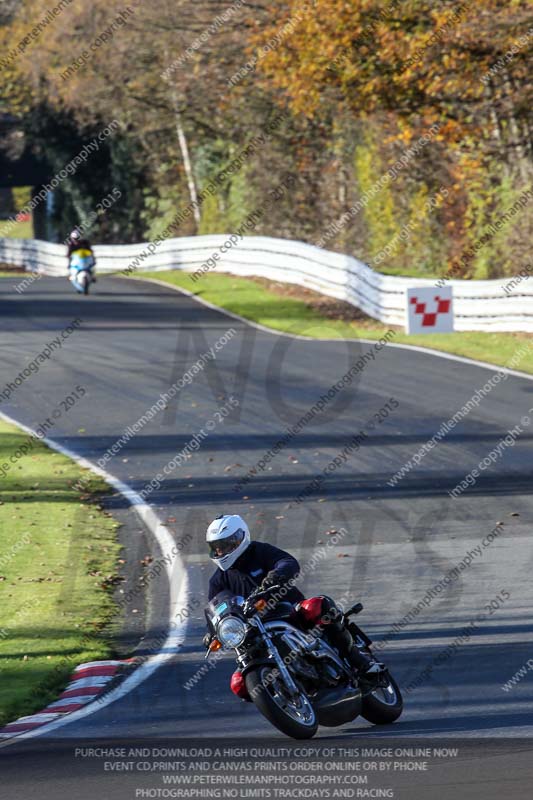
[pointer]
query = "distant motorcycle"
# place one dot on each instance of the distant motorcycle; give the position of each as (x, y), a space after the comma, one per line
(296, 679)
(81, 270)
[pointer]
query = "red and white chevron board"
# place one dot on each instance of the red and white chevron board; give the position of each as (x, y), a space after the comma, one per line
(86, 683)
(429, 309)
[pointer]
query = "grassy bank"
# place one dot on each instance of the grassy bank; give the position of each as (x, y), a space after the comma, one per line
(299, 311)
(57, 552)
(16, 230)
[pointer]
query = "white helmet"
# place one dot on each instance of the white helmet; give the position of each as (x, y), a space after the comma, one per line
(228, 537)
(75, 236)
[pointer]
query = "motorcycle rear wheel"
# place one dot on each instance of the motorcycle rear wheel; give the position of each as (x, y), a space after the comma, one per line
(383, 705)
(297, 720)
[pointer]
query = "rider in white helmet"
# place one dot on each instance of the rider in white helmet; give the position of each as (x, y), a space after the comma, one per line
(76, 242)
(244, 565)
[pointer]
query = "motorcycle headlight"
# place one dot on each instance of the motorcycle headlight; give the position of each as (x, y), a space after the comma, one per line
(231, 632)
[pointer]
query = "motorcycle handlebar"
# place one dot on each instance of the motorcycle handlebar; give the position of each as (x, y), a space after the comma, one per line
(256, 595)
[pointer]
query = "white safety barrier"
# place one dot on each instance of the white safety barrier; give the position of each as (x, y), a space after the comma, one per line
(478, 305)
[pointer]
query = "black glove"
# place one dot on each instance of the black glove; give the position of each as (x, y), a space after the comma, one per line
(272, 578)
(207, 640)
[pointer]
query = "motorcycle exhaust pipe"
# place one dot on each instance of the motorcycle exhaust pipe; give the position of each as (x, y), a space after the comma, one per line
(335, 707)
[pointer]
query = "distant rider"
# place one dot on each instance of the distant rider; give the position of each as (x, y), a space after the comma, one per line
(76, 242)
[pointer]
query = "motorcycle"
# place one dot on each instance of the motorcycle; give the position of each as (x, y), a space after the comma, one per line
(296, 679)
(81, 267)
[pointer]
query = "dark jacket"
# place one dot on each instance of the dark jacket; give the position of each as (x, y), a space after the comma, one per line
(250, 569)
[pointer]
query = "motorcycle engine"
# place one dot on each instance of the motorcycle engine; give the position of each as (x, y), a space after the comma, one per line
(303, 669)
(290, 648)
(330, 674)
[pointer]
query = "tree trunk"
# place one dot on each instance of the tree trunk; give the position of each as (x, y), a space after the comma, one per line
(184, 147)
(516, 138)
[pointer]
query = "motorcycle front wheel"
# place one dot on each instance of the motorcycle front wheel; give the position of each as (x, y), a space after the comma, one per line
(293, 717)
(384, 704)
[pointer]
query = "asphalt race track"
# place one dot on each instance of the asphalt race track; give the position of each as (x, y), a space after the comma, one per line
(397, 543)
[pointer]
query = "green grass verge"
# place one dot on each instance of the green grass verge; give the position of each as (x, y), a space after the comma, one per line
(58, 554)
(254, 301)
(17, 230)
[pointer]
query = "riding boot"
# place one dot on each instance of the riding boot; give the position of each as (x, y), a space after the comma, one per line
(341, 638)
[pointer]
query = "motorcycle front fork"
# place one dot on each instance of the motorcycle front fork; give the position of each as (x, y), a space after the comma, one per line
(280, 664)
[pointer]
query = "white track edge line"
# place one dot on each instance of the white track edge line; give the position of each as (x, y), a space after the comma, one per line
(416, 348)
(178, 587)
